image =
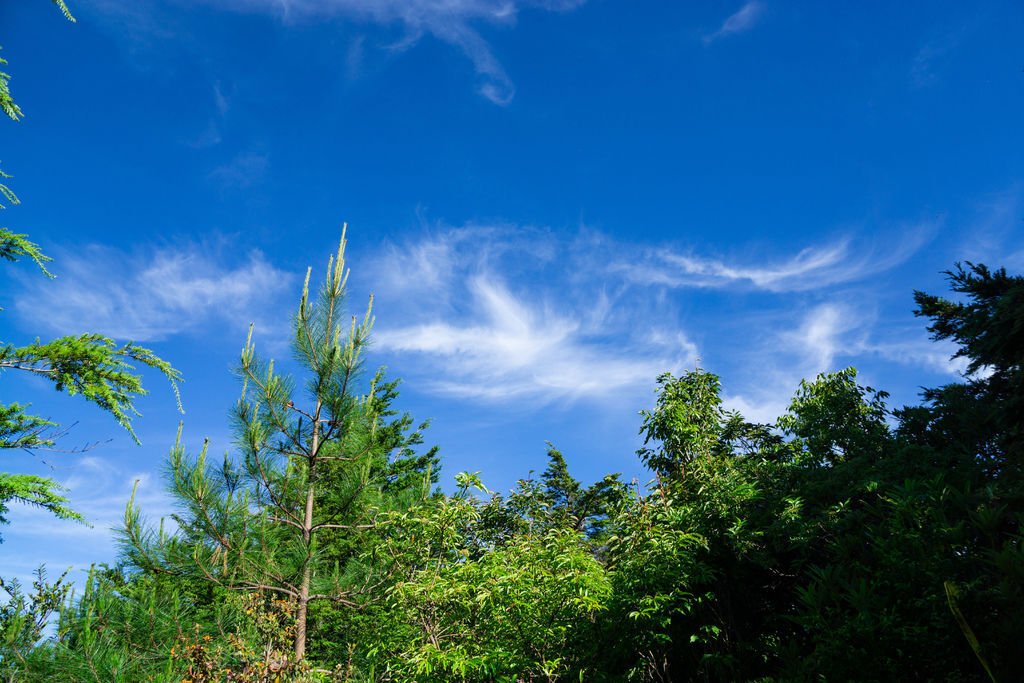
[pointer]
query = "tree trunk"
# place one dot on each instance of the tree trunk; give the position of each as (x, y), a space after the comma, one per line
(307, 537)
(300, 618)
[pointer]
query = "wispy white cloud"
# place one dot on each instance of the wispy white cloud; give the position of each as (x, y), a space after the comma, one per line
(925, 69)
(354, 57)
(98, 488)
(826, 338)
(506, 313)
(136, 23)
(514, 347)
(451, 21)
(922, 72)
(915, 349)
(220, 99)
(211, 135)
(805, 267)
(995, 235)
(501, 312)
(243, 171)
(153, 294)
(741, 21)
(844, 260)
(794, 344)
(820, 338)
(760, 405)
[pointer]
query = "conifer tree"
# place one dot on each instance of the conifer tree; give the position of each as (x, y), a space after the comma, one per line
(306, 477)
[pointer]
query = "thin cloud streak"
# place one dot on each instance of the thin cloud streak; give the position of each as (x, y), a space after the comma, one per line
(992, 237)
(211, 135)
(800, 345)
(242, 172)
(99, 489)
(709, 272)
(843, 261)
(926, 67)
(828, 338)
(519, 349)
(935, 356)
(502, 312)
(451, 21)
(740, 22)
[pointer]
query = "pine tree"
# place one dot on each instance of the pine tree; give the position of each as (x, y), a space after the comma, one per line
(308, 478)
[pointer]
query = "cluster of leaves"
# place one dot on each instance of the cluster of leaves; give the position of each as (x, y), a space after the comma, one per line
(23, 618)
(258, 651)
(493, 589)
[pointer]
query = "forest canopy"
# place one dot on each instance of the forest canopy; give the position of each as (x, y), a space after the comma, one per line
(846, 541)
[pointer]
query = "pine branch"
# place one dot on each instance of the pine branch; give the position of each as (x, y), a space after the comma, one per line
(7, 192)
(64, 10)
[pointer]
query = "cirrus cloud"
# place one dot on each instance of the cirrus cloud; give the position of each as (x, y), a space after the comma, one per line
(451, 21)
(501, 312)
(152, 294)
(741, 21)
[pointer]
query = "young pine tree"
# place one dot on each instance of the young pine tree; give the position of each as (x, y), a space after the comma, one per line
(307, 480)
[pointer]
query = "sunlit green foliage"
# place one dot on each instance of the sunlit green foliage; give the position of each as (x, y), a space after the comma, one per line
(34, 491)
(472, 605)
(24, 616)
(292, 513)
(89, 365)
(846, 541)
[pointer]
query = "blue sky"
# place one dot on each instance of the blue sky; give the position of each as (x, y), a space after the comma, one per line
(552, 201)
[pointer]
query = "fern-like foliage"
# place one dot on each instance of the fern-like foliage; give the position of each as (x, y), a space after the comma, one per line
(13, 246)
(34, 491)
(7, 102)
(91, 365)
